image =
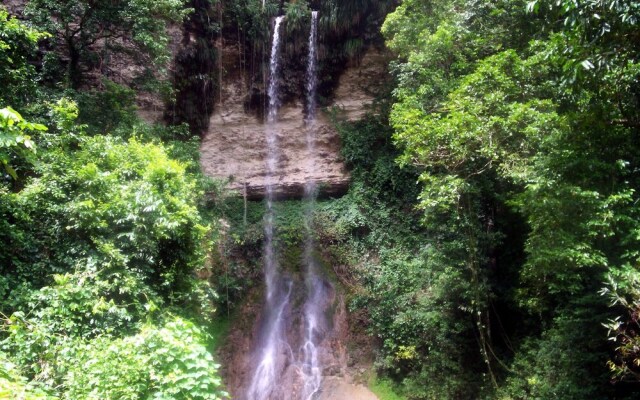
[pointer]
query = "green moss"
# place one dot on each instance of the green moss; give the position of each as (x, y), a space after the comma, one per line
(325, 265)
(290, 259)
(218, 332)
(383, 388)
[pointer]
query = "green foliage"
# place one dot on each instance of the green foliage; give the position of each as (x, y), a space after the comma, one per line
(412, 282)
(382, 388)
(78, 306)
(118, 237)
(544, 368)
(218, 333)
(237, 261)
(14, 386)
(102, 236)
(170, 362)
(593, 26)
(380, 190)
(104, 110)
(624, 292)
(17, 48)
(367, 149)
(476, 258)
(412, 22)
(115, 200)
(297, 15)
(14, 139)
(500, 109)
(91, 33)
(239, 258)
(420, 308)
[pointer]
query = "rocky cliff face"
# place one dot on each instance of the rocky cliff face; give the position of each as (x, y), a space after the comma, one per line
(233, 147)
(15, 7)
(233, 144)
(345, 353)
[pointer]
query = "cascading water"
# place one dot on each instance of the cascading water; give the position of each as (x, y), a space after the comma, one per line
(314, 318)
(312, 82)
(282, 373)
(274, 351)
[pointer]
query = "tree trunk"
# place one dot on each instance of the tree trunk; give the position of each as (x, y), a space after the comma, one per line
(73, 69)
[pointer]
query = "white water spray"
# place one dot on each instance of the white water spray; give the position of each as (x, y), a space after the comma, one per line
(274, 69)
(275, 358)
(314, 312)
(274, 352)
(312, 73)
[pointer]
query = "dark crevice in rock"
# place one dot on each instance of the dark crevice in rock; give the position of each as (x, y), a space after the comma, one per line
(196, 70)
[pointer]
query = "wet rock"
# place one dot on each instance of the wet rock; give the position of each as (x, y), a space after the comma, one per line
(233, 147)
(332, 370)
(334, 388)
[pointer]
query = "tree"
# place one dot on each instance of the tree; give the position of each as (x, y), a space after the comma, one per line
(17, 47)
(101, 241)
(92, 33)
(543, 123)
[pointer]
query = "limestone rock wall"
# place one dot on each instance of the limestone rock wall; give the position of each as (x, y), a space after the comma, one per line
(233, 148)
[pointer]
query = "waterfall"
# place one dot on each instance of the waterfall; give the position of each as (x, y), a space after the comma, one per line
(314, 318)
(274, 68)
(274, 351)
(312, 74)
(275, 358)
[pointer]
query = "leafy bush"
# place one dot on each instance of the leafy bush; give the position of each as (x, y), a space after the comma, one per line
(544, 367)
(106, 233)
(420, 307)
(102, 236)
(14, 139)
(15, 386)
(125, 203)
(170, 362)
(18, 44)
(108, 108)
